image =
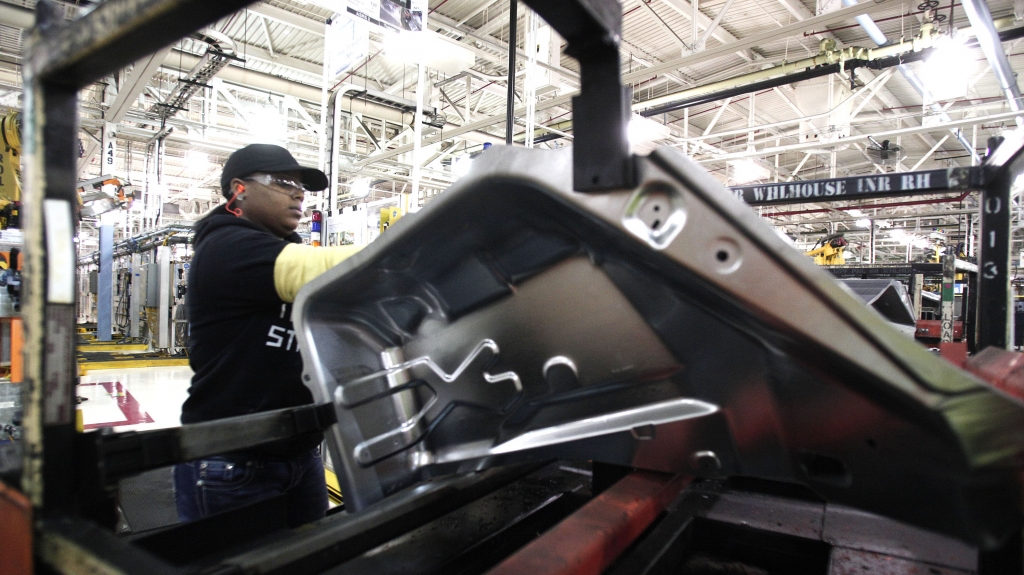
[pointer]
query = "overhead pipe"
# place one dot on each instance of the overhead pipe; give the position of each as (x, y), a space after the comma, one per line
(824, 63)
(878, 37)
(852, 57)
(827, 55)
(988, 38)
(140, 243)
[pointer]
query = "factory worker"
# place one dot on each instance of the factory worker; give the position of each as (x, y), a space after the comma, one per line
(248, 266)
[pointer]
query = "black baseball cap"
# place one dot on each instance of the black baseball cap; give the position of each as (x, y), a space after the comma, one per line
(268, 159)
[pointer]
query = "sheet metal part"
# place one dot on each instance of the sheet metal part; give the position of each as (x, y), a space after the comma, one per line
(670, 291)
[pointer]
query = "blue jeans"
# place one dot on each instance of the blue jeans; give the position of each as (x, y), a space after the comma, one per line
(205, 487)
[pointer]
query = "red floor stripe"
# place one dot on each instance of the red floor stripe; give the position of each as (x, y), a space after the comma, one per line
(130, 407)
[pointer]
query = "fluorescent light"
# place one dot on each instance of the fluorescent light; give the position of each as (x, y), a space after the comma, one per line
(196, 158)
(948, 70)
(267, 126)
(360, 188)
(864, 223)
(642, 130)
(747, 170)
(428, 48)
(461, 165)
(856, 213)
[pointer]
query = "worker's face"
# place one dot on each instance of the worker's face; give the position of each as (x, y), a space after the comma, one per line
(272, 201)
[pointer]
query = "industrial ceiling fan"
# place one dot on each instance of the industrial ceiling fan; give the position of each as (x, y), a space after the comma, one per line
(885, 153)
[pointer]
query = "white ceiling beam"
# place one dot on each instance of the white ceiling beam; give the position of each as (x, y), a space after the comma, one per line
(889, 134)
(718, 114)
(930, 152)
(647, 73)
(289, 18)
(761, 38)
(495, 23)
(799, 166)
(714, 24)
(248, 51)
(266, 32)
(474, 13)
(685, 9)
(664, 25)
(133, 85)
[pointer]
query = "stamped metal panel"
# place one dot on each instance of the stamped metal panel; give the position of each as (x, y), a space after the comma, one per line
(664, 326)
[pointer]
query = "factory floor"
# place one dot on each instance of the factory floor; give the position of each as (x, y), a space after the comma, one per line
(133, 399)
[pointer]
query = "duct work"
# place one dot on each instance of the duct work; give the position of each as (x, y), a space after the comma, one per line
(829, 60)
(988, 38)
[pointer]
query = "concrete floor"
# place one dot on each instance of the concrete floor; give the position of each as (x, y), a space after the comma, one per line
(134, 399)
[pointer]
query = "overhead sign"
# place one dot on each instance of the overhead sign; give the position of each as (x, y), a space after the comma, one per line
(109, 143)
(395, 15)
(347, 41)
(860, 187)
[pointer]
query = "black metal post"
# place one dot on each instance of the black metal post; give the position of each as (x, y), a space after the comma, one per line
(48, 309)
(600, 114)
(513, 17)
(970, 303)
(60, 58)
(994, 319)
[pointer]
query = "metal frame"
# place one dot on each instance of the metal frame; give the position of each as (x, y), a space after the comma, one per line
(64, 58)
(61, 59)
(993, 179)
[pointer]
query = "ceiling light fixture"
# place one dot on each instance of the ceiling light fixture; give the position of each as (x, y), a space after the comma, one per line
(947, 71)
(747, 170)
(360, 188)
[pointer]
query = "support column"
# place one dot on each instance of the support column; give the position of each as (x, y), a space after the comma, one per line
(164, 305)
(948, 279)
(994, 310)
(871, 238)
(513, 15)
(412, 203)
(918, 287)
(104, 286)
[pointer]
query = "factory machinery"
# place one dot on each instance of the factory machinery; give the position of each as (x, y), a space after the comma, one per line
(610, 365)
(134, 290)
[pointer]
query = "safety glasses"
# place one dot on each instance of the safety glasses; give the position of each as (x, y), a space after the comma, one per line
(281, 184)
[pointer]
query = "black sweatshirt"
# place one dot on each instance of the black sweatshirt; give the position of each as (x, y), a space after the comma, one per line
(242, 346)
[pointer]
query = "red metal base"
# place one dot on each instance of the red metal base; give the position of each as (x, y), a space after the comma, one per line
(15, 532)
(955, 352)
(588, 541)
(1003, 369)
